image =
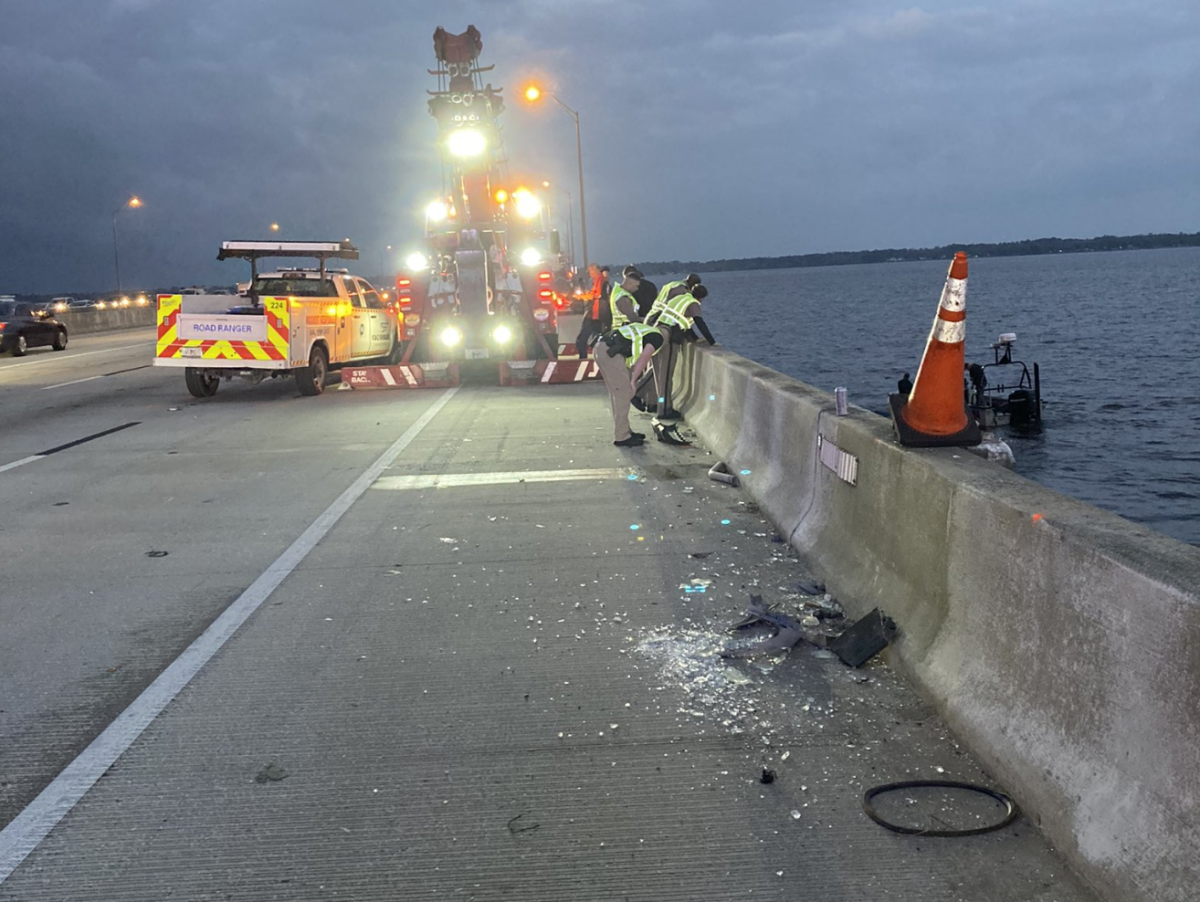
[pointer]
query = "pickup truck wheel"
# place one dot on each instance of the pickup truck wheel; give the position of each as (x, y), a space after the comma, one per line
(311, 379)
(199, 383)
(20, 346)
(60, 340)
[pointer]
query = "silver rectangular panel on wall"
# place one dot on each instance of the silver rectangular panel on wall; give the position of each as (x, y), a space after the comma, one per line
(834, 458)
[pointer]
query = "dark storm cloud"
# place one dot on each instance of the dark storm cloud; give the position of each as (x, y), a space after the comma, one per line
(711, 129)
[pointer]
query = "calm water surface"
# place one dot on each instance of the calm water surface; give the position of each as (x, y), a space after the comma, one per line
(1116, 335)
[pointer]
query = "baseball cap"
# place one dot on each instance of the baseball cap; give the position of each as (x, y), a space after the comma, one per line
(632, 272)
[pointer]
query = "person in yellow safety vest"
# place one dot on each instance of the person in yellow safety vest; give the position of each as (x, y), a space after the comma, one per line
(678, 315)
(670, 290)
(621, 355)
(621, 303)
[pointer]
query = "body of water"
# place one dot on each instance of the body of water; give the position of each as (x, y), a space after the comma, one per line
(1117, 337)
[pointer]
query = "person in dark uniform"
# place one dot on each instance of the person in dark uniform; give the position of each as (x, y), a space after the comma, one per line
(645, 294)
(676, 317)
(905, 385)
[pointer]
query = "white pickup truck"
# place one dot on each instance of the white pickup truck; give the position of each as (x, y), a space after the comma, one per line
(294, 322)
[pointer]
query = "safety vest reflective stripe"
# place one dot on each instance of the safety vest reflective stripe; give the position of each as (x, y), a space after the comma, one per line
(662, 297)
(636, 333)
(619, 318)
(674, 311)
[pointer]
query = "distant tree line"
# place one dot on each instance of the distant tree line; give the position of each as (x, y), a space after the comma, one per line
(1028, 247)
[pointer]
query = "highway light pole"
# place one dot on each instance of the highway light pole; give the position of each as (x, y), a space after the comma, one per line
(532, 94)
(134, 202)
(570, 221)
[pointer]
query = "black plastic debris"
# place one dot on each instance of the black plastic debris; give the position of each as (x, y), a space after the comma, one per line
(788, 631)
(767, 776)
(810, 588)
(865, 639)
(699, 555)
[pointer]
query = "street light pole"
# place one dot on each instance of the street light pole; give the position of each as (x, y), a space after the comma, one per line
(532, 93)
(570, 221)
(579, 162)
(132, 202)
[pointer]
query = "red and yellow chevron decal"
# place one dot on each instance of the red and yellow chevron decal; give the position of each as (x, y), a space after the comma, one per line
(275, 348)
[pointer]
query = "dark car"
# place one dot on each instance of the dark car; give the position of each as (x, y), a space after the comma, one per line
(21, 328)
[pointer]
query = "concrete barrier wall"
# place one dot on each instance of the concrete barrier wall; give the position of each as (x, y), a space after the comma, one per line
(86, 322)
(1059, 641)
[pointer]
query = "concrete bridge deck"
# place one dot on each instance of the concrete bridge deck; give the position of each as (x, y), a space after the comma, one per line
(489, 689)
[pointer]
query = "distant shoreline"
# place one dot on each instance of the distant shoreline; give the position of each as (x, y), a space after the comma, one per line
(1026, 248)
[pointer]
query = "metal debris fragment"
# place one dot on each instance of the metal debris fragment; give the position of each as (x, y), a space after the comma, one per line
(720, 472)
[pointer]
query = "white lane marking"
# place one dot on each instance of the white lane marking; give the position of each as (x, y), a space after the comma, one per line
(73, 382)
(21, 462)
(456, 480)
(34, 823)
(59, 358)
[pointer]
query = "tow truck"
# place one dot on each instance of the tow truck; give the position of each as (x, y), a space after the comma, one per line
(484, 288)
(296, 322)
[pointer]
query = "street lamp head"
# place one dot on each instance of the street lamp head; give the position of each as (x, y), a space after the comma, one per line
(533, 93)
(274, 227)
(135, 201)
(545, 184)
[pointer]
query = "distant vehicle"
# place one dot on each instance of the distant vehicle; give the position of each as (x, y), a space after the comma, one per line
(61, 305)
(82, 304)
(22, 328)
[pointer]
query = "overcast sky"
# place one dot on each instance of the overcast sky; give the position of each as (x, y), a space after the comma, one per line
(711, 128)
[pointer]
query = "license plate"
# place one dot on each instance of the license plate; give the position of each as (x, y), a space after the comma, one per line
(477, 353)
(191, 352)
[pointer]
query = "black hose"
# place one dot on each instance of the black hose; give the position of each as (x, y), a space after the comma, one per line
(870, 794)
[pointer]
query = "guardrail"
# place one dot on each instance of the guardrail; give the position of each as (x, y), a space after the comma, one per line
(89, 320)
(1058, 640)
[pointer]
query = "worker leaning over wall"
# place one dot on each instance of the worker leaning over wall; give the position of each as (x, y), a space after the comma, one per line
(677, 315)
(622, 355)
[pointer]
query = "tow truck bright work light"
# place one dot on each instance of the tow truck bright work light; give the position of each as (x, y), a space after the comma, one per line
(531, 256)
(451, 336)
(437, 211)
(528, 206)
(466, 142)
(502, 334)
(416, 262)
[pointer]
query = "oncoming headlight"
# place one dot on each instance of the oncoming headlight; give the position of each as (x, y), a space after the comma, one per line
(451, 336)
(502, 334)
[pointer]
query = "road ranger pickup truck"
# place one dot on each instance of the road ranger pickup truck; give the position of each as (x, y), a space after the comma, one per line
(294, 322)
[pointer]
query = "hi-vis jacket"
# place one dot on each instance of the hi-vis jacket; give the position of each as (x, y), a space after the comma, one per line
(674, 311)
(618, 318)
(662, 297)
(636, 334)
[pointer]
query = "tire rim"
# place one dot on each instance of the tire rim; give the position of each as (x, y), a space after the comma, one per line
(319, 370)
(21, 344)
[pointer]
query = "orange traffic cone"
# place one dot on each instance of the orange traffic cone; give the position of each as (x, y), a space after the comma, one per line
(935, 412)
